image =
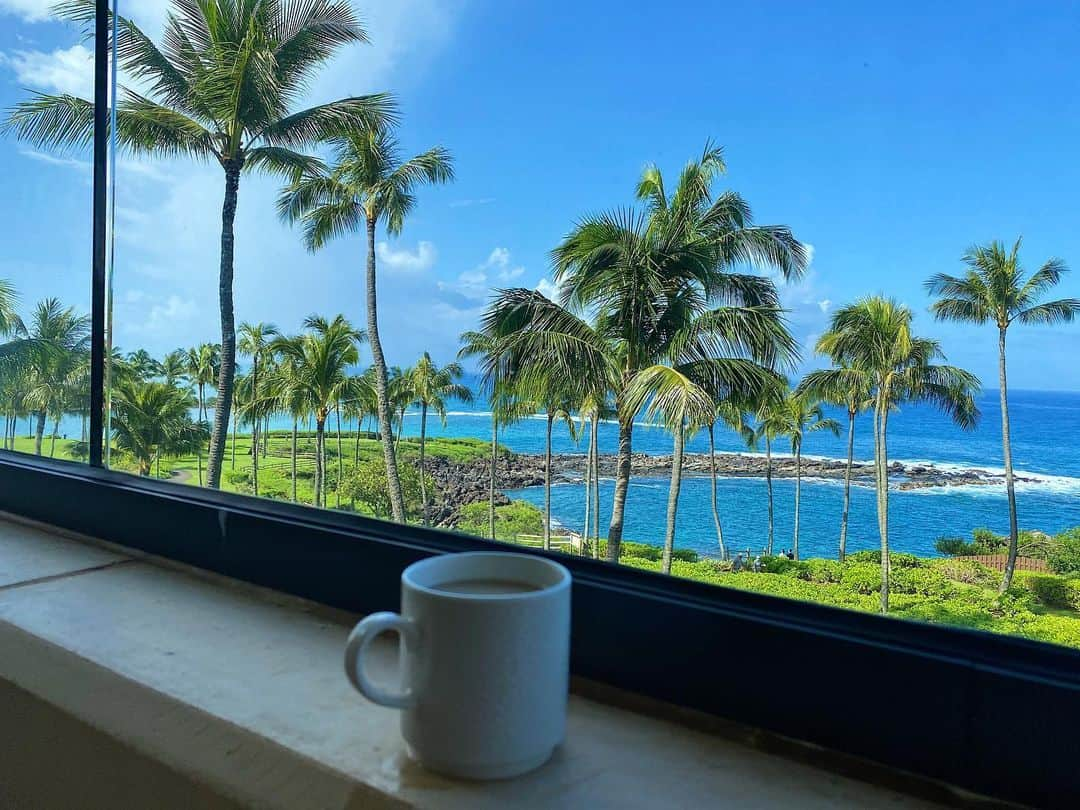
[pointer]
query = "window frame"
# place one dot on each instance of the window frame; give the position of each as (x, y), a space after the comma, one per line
(990, 713)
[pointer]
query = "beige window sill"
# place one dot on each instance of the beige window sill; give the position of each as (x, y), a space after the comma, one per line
(124, 681)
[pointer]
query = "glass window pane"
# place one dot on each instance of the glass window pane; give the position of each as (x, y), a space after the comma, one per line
(695, 303)
(46, 89)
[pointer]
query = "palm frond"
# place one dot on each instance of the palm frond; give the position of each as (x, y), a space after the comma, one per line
(59, 122)
(327, 121)
(146, 127)
(1050, 313)
(330, 221)
(279, 160)
(1046, 277)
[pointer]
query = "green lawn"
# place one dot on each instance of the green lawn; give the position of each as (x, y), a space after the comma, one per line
(275, 469)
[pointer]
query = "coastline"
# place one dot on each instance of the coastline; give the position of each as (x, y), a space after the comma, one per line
(463, 483)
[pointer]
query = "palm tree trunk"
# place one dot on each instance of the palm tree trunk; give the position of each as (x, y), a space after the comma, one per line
(234, 420)
(266, 436)
(673, 500)
(202, 418)
(52, 444)
(798, 496)
(356, 447)
(393, 481)
(227, 372)
(596, 485)
(294, 427)
(340, 461)
(847, 484)
(588, 491)
(547, 482)
(423, 442)
(1010, 485)
(715, 508)
(768, 486)
(82, 434)
(882, 469)
(320, 425)
(255, 455)
(622, 484)
(39, 432)
(491, 481)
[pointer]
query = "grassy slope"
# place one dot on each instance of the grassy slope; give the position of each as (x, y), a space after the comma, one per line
(275, 470)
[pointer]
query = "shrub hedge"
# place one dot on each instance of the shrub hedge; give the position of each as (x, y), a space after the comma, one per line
(955, 592)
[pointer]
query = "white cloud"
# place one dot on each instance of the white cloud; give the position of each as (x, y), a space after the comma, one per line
(28, 10)
(166, 318)
(471, 203)
(498, 263)
(421, 259)
(148, 14)
(472, 287)
(810, 251)
(53, 160)
(549, 289)
(64, 70)
(824, 305)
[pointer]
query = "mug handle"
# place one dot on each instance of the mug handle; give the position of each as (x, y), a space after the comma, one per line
(357, 647)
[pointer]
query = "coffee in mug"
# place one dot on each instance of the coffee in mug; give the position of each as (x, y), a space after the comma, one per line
(485, 652)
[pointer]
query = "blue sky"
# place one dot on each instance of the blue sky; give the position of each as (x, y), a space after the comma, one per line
(888, 139)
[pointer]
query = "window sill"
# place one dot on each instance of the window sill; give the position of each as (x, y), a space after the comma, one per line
(239, 691)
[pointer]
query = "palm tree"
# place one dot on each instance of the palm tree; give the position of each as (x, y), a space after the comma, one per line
(174, 367)
(203, 364)
(15, 357)
(995, 290)
(366, 183)
(152, 420)
(659, 284)
(798, 415)
(288, 385)
(558, 403)
(768, 413)
(9, 301)
(220, 89)
(143, 366)
(431, 386)
(848, 387)
(61, 338)
(255, 343)
(874, 336)
(319, 360)
(359, 404)
(733, 416)
(399, 395)
(507, 403)
(683, 407)
(594, 407)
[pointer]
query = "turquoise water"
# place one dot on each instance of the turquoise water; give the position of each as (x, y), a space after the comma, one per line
(1046, 448)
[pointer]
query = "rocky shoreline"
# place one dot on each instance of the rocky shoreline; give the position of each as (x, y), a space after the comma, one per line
(462, 483)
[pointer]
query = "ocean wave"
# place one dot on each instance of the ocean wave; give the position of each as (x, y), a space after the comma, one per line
(1035, 481)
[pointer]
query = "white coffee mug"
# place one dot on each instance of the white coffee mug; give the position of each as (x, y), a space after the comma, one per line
(485, 653)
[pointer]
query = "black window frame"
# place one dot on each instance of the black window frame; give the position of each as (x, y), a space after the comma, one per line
(993, 714)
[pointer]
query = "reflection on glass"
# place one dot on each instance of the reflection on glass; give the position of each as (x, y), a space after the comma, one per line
(45, 256)
(791, 380)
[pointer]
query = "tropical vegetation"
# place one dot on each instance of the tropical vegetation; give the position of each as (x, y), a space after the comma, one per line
(666, 309)
(995, 290)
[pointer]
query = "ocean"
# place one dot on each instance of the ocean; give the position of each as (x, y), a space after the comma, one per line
(1046, 449)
